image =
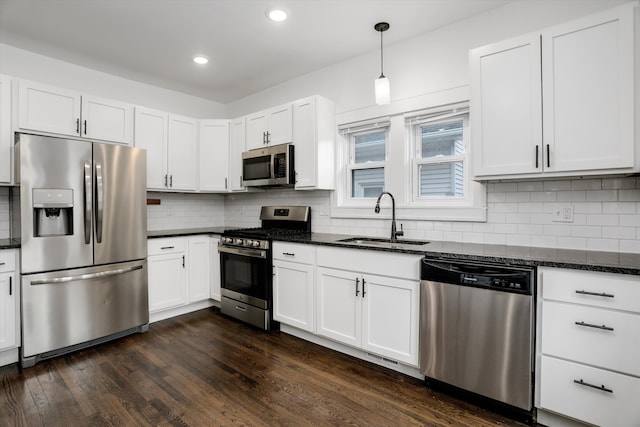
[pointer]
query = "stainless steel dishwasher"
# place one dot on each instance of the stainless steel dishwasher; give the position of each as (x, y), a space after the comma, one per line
(476, 329)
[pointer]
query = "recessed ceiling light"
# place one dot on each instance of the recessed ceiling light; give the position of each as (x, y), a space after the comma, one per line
(276, 15)
(200, 60)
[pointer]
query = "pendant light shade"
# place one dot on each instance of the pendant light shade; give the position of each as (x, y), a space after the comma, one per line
(382, 87)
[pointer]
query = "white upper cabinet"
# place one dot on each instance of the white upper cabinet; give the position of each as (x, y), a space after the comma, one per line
(269, 127)
(182, 153)
(237, 133)
(53, 110)
(6, 143)
(314, 128)
(557, 103)
(171, 144)
(214, 155)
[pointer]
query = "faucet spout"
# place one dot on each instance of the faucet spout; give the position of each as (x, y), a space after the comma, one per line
(394, 232)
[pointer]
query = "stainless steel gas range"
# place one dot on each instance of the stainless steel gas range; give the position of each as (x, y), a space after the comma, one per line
(246, 267)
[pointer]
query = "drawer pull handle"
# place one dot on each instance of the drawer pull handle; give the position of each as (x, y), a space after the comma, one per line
(2, 263)
(288, 254)
(167, 247)
(589, 325)
(239, 308)
(601, 388)
(596, 294)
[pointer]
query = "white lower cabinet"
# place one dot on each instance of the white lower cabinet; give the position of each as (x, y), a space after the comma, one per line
(293, 285)
(378, 313)
(199, 268)
(9, 302)
(167, 273)
(589, 352)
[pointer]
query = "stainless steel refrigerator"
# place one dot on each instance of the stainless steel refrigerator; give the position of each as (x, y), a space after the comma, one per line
(83, 227)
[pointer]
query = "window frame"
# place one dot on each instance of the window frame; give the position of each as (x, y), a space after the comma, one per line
(400, 169)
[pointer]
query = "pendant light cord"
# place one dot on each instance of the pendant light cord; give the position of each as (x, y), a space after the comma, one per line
(381, 56)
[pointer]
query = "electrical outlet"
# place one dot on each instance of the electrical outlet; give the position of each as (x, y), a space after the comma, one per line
(562, 213)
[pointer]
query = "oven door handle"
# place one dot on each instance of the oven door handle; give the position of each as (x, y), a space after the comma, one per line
(254, 253)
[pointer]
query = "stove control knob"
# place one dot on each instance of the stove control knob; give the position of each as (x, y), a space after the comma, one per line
(255, 243)
(238, 242)
(227, 240)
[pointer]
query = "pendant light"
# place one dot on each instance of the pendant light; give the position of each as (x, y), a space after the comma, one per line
(383, 91)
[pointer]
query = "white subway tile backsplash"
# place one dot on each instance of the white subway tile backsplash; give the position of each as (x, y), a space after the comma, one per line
(606, 214)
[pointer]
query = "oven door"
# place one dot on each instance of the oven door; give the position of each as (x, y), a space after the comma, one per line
(246, 275)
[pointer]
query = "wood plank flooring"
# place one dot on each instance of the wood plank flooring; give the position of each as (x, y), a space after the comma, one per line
(203, 369)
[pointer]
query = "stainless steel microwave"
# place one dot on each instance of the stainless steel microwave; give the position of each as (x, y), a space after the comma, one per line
(269, 167)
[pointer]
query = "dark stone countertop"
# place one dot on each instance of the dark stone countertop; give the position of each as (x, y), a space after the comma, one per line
(610, 262)
(9, 244)
(185, 232)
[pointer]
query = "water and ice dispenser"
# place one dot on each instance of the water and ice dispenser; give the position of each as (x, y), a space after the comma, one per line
(52, 212)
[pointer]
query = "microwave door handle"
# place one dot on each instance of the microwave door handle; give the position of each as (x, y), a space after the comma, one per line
(99, 202)
(274, 160)
(87, 193)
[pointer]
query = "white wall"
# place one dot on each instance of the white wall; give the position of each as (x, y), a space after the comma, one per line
(429, 63)
(32, 66)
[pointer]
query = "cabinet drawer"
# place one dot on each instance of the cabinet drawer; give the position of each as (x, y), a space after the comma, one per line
(560, 393)
(294, 252)
(166, 245)
(7, 260)
(595, 336)
(607, 290)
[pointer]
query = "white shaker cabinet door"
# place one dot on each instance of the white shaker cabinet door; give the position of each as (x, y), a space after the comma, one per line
(9, 306)
(391, 317)
(182, 154)
(107, 120)
(339, 311)
(506, 103)
(48, 109)
(293, 296)
(167, 281)
(151, 134)
(214, 155)
(587, 72)
(199, 268)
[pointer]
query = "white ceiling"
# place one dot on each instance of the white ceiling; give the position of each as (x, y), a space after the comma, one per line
(153, 41)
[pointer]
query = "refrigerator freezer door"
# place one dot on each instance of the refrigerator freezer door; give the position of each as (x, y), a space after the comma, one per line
(120, 209)
(49, 168)
(71, 307)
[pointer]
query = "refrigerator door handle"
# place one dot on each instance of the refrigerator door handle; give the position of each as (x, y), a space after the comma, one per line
(99, 202)
(87, 202)
(88, 276)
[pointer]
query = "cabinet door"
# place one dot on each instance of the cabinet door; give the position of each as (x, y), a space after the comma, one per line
(506, 103)
(215, 269)
(151, 134)
(182, 153)
(236, 148)
(8, 301)
(280, 125)
(304, 133)
(257, 127)
(391, 318)
(167, 281)
(107, 120)
(587, 71)
(6, 144)
(293, 294)
(214, 155)
(199, 264)
(338, 308)
(48, 109)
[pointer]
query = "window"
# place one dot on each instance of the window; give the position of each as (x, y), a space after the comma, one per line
(366, 160)
(441, 159)
(418, 153)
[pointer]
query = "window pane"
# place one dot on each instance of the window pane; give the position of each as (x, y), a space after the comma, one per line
(369, 147)
(442, 139)
(367, 182)
(442, 179)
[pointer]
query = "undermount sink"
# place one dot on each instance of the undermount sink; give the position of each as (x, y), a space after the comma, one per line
(382, 242)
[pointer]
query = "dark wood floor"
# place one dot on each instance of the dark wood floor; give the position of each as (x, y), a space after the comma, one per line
(204, 369)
